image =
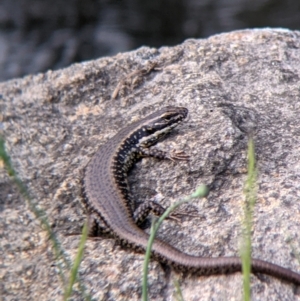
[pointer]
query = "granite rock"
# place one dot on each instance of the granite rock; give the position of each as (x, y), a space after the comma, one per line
(236, 85)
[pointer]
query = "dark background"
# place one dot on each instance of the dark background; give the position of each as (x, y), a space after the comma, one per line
(37, 35)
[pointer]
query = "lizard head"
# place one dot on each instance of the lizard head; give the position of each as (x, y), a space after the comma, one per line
(158, 124)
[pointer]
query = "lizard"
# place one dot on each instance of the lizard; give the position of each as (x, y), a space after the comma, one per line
(111, 205)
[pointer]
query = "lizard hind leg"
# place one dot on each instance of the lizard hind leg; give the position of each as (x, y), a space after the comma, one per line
(96, 226)
(143, 211)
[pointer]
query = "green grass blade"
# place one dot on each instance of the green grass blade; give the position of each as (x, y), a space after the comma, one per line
(77, 261)
(250, 196)
(40, 215)
(202, 191)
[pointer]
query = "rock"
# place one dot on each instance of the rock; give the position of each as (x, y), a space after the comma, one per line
(235, 85)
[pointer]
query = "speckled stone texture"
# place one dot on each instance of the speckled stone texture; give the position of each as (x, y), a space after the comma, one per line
(235, 85)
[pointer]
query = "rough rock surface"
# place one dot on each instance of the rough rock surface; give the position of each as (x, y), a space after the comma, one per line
(234, 85)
